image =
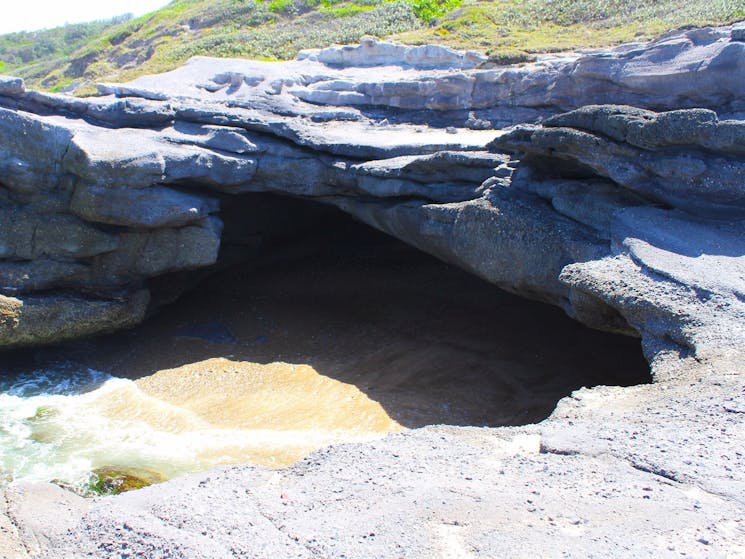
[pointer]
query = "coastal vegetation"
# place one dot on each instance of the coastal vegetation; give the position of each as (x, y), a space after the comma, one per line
(73, 57)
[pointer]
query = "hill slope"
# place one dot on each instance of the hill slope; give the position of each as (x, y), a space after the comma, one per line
(75, 56)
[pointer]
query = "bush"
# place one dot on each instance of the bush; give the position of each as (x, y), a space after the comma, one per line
(429, 10)
(286, 38)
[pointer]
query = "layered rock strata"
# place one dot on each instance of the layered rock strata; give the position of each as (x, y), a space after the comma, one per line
(630, 216)
(630, 220)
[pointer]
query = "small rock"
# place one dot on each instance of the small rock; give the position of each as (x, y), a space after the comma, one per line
(738, 34)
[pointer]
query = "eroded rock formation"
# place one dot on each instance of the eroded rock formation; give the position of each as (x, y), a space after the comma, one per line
(617, 194)
(622, 216)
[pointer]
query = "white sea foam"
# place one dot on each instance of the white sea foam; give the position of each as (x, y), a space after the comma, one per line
(62, 425)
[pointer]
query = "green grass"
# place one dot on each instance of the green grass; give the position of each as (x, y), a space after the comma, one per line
(536, 26)
(509, 30)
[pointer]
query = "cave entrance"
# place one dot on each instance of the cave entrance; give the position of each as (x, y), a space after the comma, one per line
(302, 282)
(314, 328)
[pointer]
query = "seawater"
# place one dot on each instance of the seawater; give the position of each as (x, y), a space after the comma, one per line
(39, 435)
(62, 423)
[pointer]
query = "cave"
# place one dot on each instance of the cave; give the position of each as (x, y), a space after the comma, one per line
(343, 393)
(327, 275)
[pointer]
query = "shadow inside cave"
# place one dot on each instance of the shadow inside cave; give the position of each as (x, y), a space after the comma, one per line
(430, 343)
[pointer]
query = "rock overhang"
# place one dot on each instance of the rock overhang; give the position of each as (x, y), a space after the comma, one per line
(538, 213)
(537, 209)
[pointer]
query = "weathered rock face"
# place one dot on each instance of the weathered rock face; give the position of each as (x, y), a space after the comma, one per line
(629, 219)
(666, 191)
(372, 52)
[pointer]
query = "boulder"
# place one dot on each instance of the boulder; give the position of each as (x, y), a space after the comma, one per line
(11, 86)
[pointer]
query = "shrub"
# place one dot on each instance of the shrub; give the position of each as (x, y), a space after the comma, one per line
(505, 57)
(429, 10)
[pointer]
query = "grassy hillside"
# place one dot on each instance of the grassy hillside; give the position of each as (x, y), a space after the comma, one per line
(511, 30)
(514, 27)
(18, 50)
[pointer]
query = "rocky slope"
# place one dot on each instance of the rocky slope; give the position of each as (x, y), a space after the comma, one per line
(628, 218)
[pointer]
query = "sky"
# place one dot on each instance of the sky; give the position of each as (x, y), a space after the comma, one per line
(29, 15)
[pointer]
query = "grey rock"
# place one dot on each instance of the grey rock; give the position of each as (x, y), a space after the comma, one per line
(593, 203)
(120, 91)
(630, 147)
(662, 74)
(140, 158)
(475, 123)
(151, 207)
(523, 225)
(502, 239)
(677, 444)
(34, 163)
(145, 254)
(214, 137)
(373, 52)
(116, 158)
(11, 86)
(471, 167)
(26, 235)
(430, 492)
(697, 128)
(649, 280)
(38, 512)
(108, 110)
(40, 274)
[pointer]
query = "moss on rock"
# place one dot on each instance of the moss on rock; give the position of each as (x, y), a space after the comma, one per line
(113, 480)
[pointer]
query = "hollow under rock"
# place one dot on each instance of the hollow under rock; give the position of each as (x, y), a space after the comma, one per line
(323, 324)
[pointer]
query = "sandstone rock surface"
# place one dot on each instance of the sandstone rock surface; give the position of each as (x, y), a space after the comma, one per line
(628, 216)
